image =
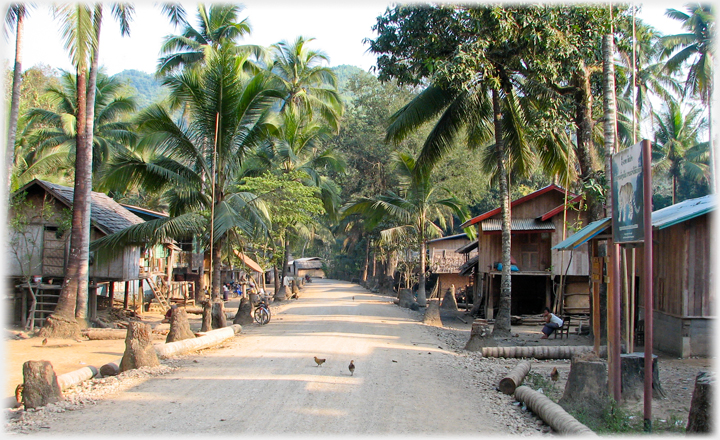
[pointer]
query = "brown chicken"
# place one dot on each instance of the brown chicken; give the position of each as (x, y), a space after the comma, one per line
(351, 367)
(319, 361)
(18, 393)
(44, 341)
(554, 375)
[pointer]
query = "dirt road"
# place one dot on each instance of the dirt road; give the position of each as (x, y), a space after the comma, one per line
(265, 381)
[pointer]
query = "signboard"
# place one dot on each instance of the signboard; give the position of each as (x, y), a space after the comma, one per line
(627, 195)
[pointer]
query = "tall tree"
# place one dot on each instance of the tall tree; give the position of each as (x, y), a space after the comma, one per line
(414, 209)
(305, 82)
(676, 148)
(15, 17)
(197, 164)
(696, 49)
(80, 39)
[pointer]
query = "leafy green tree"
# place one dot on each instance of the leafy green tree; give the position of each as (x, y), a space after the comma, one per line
(676, 147)
(414, 209)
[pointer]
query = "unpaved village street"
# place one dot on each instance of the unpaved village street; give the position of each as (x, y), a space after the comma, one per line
(265, 381)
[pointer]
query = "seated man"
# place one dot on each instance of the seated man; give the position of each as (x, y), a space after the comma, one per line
(552, 323)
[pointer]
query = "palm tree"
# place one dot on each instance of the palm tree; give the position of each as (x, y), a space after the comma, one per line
(676, 150)
(51, 137)
(218, 26)
(305, 82)
(80, 40)
(696, 49)
(415, 209)
(15, 17)
(197, 164)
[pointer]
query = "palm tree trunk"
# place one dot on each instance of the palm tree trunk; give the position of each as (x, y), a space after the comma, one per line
(367, 260)
(15, 100)
(421, 298)
(82, 298)
(62, 322)
(217, 268)
(502, 319)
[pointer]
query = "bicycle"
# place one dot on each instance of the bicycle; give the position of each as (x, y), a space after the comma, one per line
(262, 312)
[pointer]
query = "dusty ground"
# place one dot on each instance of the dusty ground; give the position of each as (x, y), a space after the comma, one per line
(267, 375)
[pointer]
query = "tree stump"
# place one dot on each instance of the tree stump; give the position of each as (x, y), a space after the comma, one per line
(449, 302)
(480, 336)
(406, 298)
(586, 389)
(40, 385)
(244, 312)
(56, 326)
(179, 326)
(509, 383)
(432, 313)
(206, 316)
(282, 294)
(632, 376)
(219, 320)
(139, 350)
(700, 417)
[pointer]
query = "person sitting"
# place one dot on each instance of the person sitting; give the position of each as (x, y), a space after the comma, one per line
(552, 323)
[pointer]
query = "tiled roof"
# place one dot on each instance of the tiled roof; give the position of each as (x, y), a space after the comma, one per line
(105, 213)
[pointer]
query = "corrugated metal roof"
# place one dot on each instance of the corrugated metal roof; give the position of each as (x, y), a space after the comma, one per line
(661, 219)
(583, 234)
(449, 237)
(521, 200)
(680, 212)
(519, 224)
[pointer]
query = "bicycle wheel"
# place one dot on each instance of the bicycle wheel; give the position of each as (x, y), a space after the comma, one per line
(261, 316)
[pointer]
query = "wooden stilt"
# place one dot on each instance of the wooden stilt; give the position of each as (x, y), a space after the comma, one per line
(127, 295)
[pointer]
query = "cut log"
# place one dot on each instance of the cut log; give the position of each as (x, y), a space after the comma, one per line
(480, 336)
(211, 338)
(40, 385)
(537, 352)
(139, 351)
(509, 383)
(633, 377)
(586, 389)
(179, 326)
(219, 320)
(282, 294)
(206, 317)
(700, 418)
(110, 369)
(244, 312)
(194, 310)
(67, 380)
(550, 412)
(112, 333)
(432, 313)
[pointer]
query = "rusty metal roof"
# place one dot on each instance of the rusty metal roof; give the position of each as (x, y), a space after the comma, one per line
(517, 224)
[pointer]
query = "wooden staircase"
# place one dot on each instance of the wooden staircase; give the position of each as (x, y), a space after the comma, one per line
(159, 293)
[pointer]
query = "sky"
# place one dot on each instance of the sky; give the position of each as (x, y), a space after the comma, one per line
(338, 27)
